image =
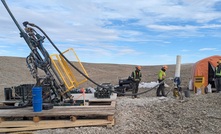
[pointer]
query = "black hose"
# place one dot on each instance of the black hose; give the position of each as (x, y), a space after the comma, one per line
(47, 61)
(33, 25)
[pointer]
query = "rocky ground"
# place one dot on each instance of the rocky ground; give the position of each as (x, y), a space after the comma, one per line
(147, 114)
(151, 115)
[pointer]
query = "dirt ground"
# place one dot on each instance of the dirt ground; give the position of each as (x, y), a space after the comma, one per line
(198, 114)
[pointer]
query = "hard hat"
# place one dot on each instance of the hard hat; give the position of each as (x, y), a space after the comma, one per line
(138, 67)
(165, 67)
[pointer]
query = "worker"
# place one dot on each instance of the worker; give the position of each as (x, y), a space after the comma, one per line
(161, 77)
(136, 76)
(177, 87)
(218, 77)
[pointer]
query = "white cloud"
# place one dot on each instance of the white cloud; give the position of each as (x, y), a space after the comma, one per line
(84, 20)
(207, 49)
(169, 27)
(185, 50)
(113, 28)
(3, 46)
(166, 42)
(186, 27)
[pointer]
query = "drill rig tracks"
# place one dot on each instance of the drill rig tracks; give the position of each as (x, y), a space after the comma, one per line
(25, 119)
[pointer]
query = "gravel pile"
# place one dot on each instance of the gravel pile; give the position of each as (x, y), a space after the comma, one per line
(159, 115)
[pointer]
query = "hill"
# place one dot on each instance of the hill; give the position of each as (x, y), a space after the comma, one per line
(14, 72)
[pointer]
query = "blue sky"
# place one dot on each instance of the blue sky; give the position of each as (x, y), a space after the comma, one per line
(137, 32)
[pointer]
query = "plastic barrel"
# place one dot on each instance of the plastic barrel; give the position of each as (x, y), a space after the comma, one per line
(37, 99)
(187, 93)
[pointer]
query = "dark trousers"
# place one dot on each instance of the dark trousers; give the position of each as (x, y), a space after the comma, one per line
(135, 88)
(218, 84)
(160, 90)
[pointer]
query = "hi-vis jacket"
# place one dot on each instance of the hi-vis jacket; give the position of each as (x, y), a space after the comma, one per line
(161, 75)
(218, 72)
(136, 75)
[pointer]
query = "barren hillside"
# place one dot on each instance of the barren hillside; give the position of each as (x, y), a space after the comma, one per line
(14, 71)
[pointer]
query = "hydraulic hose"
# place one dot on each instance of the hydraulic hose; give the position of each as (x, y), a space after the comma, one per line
(43, 62)
(46, 55)
(33, 25)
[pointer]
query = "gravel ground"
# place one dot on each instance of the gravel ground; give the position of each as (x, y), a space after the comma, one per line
(160, 115)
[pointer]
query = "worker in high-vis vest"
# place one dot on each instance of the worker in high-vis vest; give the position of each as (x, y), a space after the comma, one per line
(218, 77)
(136, 75)
(161, 77)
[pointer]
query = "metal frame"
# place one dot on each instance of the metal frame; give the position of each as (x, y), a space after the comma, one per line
(64, 71)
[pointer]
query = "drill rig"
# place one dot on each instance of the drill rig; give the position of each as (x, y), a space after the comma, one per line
(57, 79)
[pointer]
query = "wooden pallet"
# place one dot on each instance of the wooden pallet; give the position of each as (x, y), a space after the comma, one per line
(24, 119)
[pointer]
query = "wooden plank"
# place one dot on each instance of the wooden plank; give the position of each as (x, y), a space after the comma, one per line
(59, 110)
(110, 117)
(16, 113)
(30, 125)
(36, 119)
(101, 100)
(24, 132)
(70, 116)
(112, 124)
(113, 104)
(26, 123)
(73, 118)
(82, 107)
(93, 115)
(2, 119)
(12, 124)
(90, 97)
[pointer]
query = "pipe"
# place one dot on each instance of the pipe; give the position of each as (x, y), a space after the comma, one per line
(178, 66)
